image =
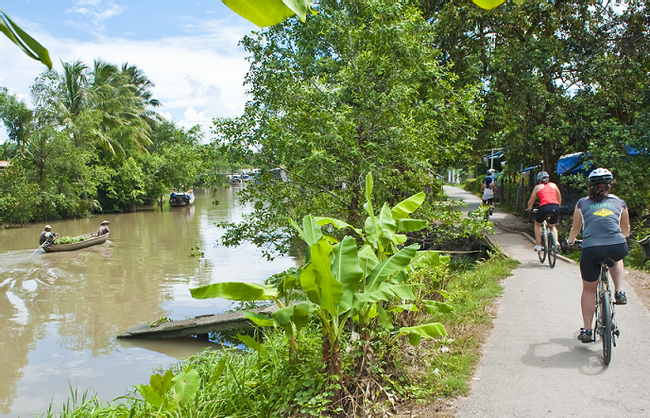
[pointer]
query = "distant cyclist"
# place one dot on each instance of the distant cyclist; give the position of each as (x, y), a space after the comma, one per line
(606, 223)
(550, 199)
(488, 187)
(489, 178)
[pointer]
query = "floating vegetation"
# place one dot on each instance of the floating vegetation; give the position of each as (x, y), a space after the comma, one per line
(197, 253)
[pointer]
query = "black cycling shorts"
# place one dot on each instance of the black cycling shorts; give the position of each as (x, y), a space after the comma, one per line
(589, 267)
(552, 210)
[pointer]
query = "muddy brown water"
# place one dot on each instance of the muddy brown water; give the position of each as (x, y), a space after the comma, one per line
(60, 312)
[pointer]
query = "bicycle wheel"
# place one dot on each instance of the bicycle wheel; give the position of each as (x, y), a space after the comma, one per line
(606, 326)
(552, 250)
(542, 254)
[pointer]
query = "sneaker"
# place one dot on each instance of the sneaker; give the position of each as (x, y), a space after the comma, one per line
(538, 248)
(620, 298)
(585, 336)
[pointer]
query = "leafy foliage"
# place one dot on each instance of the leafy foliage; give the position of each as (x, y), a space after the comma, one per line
(29, 45)
(557, 78)
(357, 88)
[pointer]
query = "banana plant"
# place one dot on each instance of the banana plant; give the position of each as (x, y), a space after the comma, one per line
(382, 235)
(336, 283)
(342, 281)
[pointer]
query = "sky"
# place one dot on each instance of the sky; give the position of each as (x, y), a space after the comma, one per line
(188, 48)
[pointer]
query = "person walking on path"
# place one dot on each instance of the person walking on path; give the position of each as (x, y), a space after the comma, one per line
(605, 222)
(550, 200)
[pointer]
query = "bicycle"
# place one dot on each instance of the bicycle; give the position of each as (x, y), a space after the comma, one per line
(605, 320)
(605, 326)
(549, 244)
(489, 203)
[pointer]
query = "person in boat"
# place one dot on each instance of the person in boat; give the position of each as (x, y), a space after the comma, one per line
(103, 228)
(47, 235)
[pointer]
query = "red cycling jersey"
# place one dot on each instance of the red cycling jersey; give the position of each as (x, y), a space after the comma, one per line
(547, 195)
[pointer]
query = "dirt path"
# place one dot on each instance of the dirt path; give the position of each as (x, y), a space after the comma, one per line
(533, 365)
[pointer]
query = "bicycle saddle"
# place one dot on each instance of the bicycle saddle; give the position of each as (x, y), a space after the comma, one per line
(607, 261)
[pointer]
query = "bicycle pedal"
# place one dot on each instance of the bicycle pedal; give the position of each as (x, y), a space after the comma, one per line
(617, 333)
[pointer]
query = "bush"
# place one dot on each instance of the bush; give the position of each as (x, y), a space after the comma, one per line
(472, 185)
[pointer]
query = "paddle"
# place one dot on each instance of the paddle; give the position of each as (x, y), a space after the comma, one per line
(42, 245)
(50, 239)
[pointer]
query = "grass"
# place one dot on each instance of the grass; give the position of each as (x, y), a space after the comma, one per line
(443, 368)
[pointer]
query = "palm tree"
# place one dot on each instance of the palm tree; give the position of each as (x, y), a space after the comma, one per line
(74, 86)
(123, 98)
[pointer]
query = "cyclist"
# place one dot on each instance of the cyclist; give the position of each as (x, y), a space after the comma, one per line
(605, 222)
(488, 187)
(490, 177)
(550, 199)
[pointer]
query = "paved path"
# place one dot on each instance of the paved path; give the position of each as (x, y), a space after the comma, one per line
(533, 365)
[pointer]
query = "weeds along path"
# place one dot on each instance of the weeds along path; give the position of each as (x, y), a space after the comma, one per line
(533, 365)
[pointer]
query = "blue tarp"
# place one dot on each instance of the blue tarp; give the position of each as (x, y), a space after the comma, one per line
(579, 162)
(572, 164)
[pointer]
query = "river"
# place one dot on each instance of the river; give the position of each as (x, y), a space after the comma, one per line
(60, 312)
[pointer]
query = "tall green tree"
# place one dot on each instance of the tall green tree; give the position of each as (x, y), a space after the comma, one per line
(532, 61)
(557, 78)
(17, 119)
(358, 88)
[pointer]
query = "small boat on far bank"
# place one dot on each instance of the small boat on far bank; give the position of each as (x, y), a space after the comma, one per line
(89, 241)
(234, 179)
(181, 198)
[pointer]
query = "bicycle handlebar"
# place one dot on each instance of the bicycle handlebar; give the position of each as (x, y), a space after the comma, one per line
(577, 242)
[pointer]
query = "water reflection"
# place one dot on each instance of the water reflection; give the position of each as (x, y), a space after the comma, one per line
(60, 312)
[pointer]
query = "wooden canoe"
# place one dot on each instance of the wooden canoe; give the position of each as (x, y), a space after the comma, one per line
(91, 239)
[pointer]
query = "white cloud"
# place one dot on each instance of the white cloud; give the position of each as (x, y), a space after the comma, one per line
(96, 14)
(113, 11)
(196, 77)
(80, 10)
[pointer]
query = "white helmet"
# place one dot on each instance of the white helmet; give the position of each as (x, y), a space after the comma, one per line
(542, 177)
(600, 176)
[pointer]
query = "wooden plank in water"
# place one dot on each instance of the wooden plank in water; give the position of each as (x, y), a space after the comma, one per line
(200, 325)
